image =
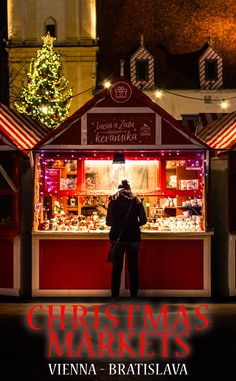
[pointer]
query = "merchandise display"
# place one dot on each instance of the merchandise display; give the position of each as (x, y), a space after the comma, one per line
(73, 190)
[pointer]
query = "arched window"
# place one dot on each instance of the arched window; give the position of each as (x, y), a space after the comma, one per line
(50, 26)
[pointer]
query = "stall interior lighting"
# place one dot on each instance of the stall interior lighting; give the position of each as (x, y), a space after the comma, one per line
(118, 158)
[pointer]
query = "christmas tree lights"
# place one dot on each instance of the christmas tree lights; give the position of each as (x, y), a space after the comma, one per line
(46, 97)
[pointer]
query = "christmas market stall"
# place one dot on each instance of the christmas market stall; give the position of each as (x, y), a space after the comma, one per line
(120, 133)
(17, 135)
(220, 135)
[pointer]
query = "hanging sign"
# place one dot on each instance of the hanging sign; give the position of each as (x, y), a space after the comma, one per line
(121, 129)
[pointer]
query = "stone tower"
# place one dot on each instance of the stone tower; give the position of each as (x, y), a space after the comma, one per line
(73, 23)
(4, 88)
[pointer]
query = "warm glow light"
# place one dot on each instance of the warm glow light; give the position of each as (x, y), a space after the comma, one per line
(224, 104)
(158, 93)
(142, 174)
(107, 84)
(46, 96)
(44, 109)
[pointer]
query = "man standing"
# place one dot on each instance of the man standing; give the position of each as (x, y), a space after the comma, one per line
(125, 214)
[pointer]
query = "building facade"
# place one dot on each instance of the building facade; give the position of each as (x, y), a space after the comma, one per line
(183, 49)
(72, 23)
(4, 88)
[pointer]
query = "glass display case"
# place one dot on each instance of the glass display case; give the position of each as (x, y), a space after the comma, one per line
(72, 190)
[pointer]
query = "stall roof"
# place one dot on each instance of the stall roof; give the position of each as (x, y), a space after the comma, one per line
(70, 133)
(220, 134)
(19, 131)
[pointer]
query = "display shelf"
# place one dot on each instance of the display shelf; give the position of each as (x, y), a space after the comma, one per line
(177, 207)
(195, 209)
(187, 207)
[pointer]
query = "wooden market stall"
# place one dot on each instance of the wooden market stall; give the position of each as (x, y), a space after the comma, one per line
(17, 135)
(120, 133)
(220, 135)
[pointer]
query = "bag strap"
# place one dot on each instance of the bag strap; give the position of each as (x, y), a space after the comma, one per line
(125, 220)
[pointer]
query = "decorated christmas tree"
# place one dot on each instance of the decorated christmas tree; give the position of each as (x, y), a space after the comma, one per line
(46, 97)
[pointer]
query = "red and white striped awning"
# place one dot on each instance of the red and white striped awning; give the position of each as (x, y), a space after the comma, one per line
(209, 117)
(23, 131)
(197, 122)
(220, 134)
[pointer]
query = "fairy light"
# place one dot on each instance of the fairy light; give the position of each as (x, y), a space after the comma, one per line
(46, 97)
(44, 109)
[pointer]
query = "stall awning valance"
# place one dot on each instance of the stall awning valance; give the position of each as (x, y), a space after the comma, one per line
(220, 134)
(21, 130)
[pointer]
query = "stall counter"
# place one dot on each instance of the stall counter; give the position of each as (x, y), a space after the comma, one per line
(74, 264)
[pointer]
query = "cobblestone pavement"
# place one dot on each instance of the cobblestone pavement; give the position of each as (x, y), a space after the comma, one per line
(24, 352)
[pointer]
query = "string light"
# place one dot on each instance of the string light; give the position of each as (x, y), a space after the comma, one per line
(107, 84)
(158, 93)
(224, 104)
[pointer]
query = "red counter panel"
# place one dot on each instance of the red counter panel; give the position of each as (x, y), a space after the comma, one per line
(6, 263)
(74, 264)
(171, 265)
